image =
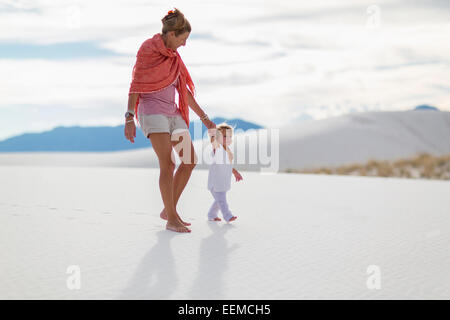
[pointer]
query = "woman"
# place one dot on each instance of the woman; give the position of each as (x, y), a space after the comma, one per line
(158, 72)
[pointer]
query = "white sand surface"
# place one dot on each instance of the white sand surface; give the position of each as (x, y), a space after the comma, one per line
(297, 236)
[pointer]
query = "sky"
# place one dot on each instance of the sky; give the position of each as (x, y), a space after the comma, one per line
(65, 63)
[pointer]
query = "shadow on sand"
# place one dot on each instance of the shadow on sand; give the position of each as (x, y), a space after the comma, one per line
(213, 263)
(155, 277)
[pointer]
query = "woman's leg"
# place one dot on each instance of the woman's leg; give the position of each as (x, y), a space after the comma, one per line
(182, 144)
(186, 152)
(162, 145)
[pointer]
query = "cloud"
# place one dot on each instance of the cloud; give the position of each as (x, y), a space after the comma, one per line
(264, 61)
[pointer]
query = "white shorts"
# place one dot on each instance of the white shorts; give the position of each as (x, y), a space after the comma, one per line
(151, 123)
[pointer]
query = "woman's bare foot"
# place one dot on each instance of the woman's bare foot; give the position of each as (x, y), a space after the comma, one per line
(177, 226)
(215, 219)
(163, 216)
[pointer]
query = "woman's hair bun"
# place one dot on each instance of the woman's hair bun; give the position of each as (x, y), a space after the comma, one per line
(173, 14)
(174, 20)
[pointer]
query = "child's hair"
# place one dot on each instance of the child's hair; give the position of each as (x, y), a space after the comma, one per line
(175, 21)
(223, 129)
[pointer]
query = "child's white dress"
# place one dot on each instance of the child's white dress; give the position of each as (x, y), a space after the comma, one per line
(219, 182)
(219, 176)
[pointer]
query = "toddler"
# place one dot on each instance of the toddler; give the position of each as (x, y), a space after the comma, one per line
(219, 176)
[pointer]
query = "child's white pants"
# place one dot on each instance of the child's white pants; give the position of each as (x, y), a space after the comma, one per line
(220, 202)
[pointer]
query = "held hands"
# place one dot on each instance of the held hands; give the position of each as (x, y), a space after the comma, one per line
(130, 130)
(213, 133)
(208, 123)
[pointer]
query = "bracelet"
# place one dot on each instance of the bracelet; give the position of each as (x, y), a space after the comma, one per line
(131, 120)
(204, 117)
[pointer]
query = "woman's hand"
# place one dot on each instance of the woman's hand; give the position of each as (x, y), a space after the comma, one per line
(130, 127)
(130, 130)
(208, 123)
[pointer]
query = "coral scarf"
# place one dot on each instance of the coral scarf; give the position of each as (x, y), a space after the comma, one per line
(156, 68)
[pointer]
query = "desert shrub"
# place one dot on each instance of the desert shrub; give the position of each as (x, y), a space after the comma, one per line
(422, 165)
(384, 169)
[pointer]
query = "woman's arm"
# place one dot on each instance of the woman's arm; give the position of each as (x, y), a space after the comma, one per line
(196, 108)
(130, 127)
(194, 105)
(132, 97)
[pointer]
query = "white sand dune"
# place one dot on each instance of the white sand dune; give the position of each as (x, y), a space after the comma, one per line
(351, 138)
(297, 236)
(359, 137)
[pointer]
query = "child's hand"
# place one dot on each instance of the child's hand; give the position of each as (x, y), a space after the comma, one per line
(237, 175)
(213, 135)
(212, 132)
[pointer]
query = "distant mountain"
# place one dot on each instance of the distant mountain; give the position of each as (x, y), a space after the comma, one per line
(238, 123)
(95, 139)
(426, 107)
(336, 141)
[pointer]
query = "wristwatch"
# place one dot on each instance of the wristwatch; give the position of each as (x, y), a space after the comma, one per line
(128, 113)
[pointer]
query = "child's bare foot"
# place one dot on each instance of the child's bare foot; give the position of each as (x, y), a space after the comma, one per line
(232, 218)
(163, 216)
(177, 226)
(215, 219)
